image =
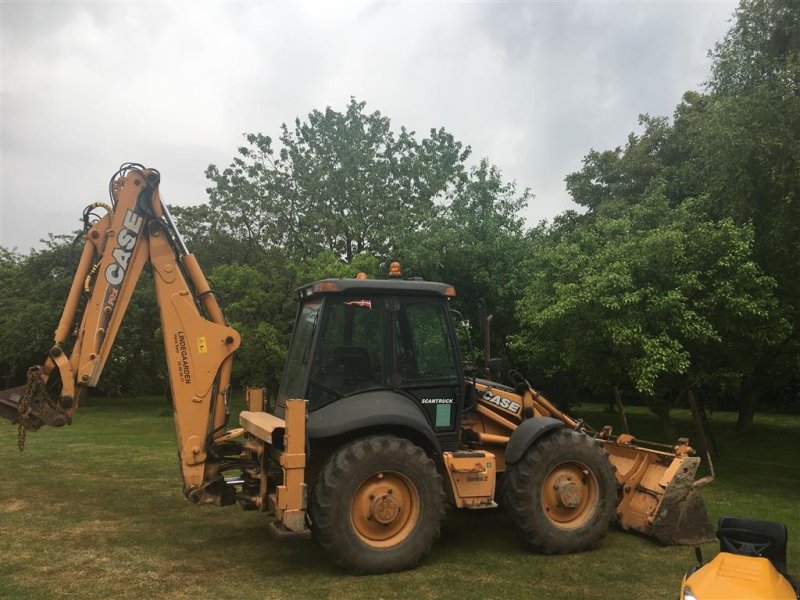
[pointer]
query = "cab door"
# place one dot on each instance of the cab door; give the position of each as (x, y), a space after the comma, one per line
(426, 361)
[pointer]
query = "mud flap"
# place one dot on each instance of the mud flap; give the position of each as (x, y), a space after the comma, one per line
(682, 517)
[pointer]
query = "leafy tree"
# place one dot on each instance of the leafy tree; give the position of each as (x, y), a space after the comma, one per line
(760, 48)
(648, 297)
(339, 182)
(476, 243)
(736, 145)
(623, 174)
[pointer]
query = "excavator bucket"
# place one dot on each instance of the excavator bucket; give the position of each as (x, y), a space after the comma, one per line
(659, 496)
(9, 403)
(30, 405)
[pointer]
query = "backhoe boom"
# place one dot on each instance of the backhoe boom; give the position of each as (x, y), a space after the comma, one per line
(199, 344)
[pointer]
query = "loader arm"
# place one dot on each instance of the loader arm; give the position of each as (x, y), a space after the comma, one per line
(198, 343)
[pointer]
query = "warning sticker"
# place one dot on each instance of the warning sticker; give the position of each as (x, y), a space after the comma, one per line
(202, 347)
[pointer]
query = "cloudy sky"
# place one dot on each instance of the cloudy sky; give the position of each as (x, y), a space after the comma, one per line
(531, 85)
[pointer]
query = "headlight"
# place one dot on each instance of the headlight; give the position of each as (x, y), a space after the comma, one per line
(688, 594)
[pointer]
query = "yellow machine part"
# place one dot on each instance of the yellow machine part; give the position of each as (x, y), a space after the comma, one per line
(736, 577)
(472, 478)
(658, 493)
(659, 496)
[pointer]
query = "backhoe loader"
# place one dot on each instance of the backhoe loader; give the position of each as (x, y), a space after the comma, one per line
(376, 427)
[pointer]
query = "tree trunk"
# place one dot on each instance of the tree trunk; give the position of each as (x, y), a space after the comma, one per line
(705, 442)
(748, 400)
(661, 409)
(621, 410)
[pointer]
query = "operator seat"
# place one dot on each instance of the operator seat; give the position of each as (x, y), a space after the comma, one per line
(352, 362)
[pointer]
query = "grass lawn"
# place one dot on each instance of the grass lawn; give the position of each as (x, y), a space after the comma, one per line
(95, 510)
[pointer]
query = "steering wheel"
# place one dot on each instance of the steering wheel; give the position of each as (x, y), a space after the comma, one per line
(744, 541)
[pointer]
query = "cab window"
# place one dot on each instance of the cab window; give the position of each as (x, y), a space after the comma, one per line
(423, 345)
(297, 362)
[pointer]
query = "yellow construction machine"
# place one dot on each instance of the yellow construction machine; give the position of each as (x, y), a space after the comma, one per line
(376, 427)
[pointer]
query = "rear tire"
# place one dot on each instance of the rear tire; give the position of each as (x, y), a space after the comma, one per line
(562, 493)
(377, 505)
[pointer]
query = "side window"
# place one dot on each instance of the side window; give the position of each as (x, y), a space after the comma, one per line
(350, 353)
(423, 345)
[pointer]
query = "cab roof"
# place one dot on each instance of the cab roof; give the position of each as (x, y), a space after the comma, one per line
(402, 287)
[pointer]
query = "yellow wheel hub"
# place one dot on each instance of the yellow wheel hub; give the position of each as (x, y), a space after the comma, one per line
(569, 495)
(385, 509)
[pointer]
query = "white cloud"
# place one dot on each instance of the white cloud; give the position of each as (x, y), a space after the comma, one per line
(533, 86)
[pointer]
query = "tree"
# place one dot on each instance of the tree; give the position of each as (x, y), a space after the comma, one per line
(476, 242)
(339, 182)
(761, 48)
(736, 146)
(648, 297)
(623, 174)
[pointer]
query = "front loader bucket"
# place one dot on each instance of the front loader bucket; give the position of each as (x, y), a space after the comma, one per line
(659, 496)
(681, 517)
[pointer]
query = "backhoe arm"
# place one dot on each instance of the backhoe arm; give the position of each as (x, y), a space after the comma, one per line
(199, 345)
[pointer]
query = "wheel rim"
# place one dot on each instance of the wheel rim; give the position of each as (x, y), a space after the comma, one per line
(385, 509)
(570, 495)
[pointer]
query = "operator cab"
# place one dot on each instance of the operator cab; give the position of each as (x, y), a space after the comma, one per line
(379, 339)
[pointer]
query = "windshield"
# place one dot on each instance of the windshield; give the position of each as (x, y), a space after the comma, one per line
(295, 370)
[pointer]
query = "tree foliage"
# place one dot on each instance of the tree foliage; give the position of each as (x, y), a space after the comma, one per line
(648, 297)
(735, 145)
(761, 48)
(338, 182)
(476, 242)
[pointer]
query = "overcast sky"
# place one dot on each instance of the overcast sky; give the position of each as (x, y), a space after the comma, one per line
(533, 86)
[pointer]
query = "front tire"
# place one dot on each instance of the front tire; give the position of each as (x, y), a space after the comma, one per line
(562, 493)
(377, 505)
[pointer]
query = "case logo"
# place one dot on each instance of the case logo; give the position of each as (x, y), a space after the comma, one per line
(502, 402)
(126, 240)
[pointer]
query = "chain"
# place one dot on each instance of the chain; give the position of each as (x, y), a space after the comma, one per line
(23, 410)
(34, 390)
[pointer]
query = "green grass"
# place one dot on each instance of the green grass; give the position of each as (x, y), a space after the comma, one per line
(94, 510)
